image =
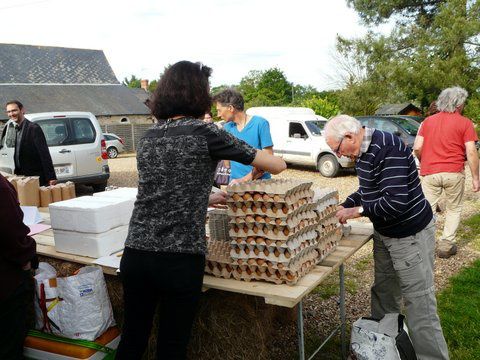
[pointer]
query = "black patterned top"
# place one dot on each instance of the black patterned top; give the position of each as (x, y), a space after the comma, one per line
(176, 161)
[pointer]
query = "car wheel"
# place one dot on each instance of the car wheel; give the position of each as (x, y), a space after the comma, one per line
(328, 165)
(112, 152)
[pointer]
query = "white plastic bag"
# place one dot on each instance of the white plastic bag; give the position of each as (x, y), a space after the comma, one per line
(76, 307)
(385, 339)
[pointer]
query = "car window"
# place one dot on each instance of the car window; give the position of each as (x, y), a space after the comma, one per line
(10, 136)
(385, 125)
(83, 131)
(315, 126)
(410, 126)
(55, 130)
(108, 137)
(296, 130)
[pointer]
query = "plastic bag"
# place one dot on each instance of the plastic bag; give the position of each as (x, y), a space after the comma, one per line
(76, 307)
(222, 174)
(386, 339)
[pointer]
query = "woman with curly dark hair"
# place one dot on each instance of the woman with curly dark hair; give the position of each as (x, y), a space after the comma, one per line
(164, 255)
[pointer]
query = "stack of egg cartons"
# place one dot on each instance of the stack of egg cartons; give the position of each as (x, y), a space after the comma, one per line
(329, 229)
(219, 262)
(93, 226)
(273, 230)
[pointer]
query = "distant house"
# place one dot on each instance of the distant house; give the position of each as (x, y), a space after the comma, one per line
(399, 109)
(46, 78)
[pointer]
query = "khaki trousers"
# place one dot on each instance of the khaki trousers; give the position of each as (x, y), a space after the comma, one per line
(404, 269)
(453, 184)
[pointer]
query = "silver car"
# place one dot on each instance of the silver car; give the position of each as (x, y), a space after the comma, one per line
(115, 145)
(76, 145)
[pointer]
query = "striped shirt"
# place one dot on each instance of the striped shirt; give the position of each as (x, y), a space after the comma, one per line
(389, 187)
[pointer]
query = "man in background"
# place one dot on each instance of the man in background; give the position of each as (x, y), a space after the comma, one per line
(31, 156)
(442, 143)
(254, 130)
(17, 258)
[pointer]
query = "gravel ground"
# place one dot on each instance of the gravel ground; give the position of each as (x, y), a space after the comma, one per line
(321, 312)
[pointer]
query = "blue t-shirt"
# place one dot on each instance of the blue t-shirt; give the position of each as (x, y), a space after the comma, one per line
(255, 134)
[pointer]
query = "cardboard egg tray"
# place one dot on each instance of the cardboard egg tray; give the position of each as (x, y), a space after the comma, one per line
(290, 221)
(321, 194)
(218, 225)
(266, 273)
(304, 195)
(272, 210)
(270, 244)
(283, 187)
(272, 232)
(328, 242)
(218, 251)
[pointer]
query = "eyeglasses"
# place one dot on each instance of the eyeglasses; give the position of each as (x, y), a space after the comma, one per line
(337, 150)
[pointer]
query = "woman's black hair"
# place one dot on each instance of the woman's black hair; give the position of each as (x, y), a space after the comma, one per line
(183, 89)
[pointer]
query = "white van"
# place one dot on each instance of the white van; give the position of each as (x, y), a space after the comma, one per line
(297, 138)
(76, 145)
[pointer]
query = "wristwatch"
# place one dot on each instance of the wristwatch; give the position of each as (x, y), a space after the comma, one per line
(360, 210)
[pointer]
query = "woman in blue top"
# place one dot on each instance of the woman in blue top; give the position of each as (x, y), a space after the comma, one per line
(254, 130)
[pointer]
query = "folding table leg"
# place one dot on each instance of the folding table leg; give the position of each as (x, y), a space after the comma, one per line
(343, 318)
(301, 342)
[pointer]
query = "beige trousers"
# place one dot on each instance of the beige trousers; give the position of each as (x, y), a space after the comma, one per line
(453, 184)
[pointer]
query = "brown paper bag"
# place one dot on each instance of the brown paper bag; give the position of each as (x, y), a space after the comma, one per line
(56, 193)
(14, 180)
(65, 191)
(45, 196)
(28, 190)
(71, 187)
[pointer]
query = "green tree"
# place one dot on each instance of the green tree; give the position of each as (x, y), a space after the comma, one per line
(133, 82)
(321, 106)
(434, 45)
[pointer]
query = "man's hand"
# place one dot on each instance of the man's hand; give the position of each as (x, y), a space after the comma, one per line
(345, 214)
(52, 182)
(257, 173)
(218, 199)
(475, 185)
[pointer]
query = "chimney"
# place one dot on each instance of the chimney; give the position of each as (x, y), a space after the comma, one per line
(144, 84)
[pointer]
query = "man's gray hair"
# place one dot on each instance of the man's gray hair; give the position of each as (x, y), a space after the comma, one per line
(451, 98)
(339, 125)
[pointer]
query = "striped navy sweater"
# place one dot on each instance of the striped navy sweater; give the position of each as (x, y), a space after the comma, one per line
(389, 188)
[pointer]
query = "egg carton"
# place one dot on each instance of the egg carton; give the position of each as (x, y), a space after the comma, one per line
(218, 251)
(322, 194)
(272, 232)
(329, 219)
(218, 225)
(328, 229)
(272, 210)
(299, 197)
(260, 242)
(291, 221)
(284, 187)
(262, 273)
(278, 260)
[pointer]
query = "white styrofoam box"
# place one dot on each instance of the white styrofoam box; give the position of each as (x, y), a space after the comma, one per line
(90, 244)
(124, 192)
(90, 214)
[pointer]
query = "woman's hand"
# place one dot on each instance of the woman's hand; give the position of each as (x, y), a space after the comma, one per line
(218, 199)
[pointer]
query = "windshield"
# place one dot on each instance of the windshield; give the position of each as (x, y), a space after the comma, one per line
(315, 126)
(410, 126)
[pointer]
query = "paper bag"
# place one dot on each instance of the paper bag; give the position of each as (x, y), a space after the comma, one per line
(56, 193)
(45, 196)
(28, 190)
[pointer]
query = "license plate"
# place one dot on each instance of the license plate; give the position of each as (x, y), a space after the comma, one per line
(62, 170)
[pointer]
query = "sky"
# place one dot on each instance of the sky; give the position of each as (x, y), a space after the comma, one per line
(141, 37)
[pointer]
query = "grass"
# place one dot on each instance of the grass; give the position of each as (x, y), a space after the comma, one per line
(459, 310)
(331, 287)
(470, 232)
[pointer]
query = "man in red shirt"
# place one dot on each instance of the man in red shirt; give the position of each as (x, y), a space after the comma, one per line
(443, 141)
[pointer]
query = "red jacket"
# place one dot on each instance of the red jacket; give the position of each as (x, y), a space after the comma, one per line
(16, 248)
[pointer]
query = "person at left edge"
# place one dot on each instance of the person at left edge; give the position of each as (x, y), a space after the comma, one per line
(31, 156)
(17, 258)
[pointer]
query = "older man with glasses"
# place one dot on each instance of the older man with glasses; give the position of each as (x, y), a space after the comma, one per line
(390, 195)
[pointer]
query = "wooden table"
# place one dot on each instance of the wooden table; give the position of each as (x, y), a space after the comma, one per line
(280, 295)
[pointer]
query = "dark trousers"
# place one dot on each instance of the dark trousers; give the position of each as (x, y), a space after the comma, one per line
(170, 279)
(13, 320)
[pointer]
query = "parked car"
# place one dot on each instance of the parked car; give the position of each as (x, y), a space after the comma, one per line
(418, 119)
(76, 145)
(297, 138)
(115, 145)
(404, 128)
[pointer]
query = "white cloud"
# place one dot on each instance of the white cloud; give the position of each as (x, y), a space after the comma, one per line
(141, 37)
